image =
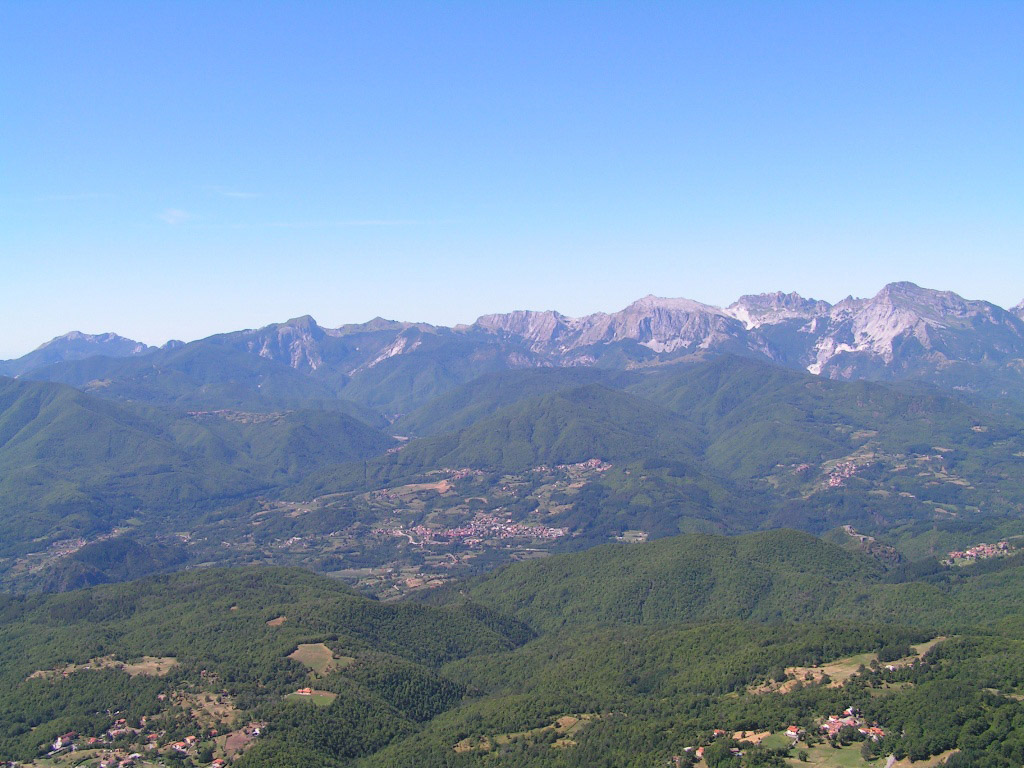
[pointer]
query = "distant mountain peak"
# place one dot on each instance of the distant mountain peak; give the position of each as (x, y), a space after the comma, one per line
(754, 310)
(304, 322)
(294, 342)
(650, 302)
(89, 338)
(536, 327)
(904, 331)
(663, 325)
(71, 346)
(904, 322)
(904, 286)
(904, 292)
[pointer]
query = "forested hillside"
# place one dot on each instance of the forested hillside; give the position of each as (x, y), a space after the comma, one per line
(774, 576)
(67, 659)
(727, 445)
(75, 465)
(626, 655)
(564, 427)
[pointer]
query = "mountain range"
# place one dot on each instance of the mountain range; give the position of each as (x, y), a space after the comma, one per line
(899, 415)
(903, 332)
(567, 541)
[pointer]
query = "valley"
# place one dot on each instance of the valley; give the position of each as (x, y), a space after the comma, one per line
(645, 538)
(511, 384)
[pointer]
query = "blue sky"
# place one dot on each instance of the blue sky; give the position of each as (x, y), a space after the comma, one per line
(178, 169)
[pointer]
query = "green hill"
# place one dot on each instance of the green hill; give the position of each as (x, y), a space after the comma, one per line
(772, 576)
(635, 652)
(482, 397)
(212, 375)
(434, 363)
(236, 629)
(758, 416)
(646, 637)
(775, 576)
(727, 445)
(75, 465)
(562, 428)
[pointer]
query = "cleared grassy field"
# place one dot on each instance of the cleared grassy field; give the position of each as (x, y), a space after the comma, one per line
(754, 737)
(319, 698)
(320, 659)
(825, 756)
(155, 666)
(840, 670)
(776, 741)
(929, 763)
(564, 727)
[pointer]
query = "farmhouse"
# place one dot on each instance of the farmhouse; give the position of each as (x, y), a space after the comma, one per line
(65, 741)
(850, 719)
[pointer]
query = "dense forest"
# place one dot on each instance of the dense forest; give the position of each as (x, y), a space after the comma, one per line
(626, 655)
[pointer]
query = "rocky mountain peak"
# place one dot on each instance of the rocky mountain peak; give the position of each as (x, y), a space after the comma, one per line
(651, 303)
(295, 342)
(537, 327)
(664, 325)
(303, 324)
(921, 323)
(904, 288)
(922, 301)
(903, 331)
(754, 310)
(110, 340)
(72, 346)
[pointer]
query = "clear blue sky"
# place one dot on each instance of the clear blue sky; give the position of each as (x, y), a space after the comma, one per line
(177, 169)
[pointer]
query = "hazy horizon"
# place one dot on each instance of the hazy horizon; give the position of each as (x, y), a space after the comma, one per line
(330, 324)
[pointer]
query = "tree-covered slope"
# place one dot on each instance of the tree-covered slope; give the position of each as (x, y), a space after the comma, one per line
(757, 415)
(464, 406)
(213, 374)
(766, 576)
(563, 427)
(727, 445)
(76, 465)
(73, 464)
(236, 628)
(640, 650)
(774, 576)
(647, 637)
(287, 445)
(572, 425)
